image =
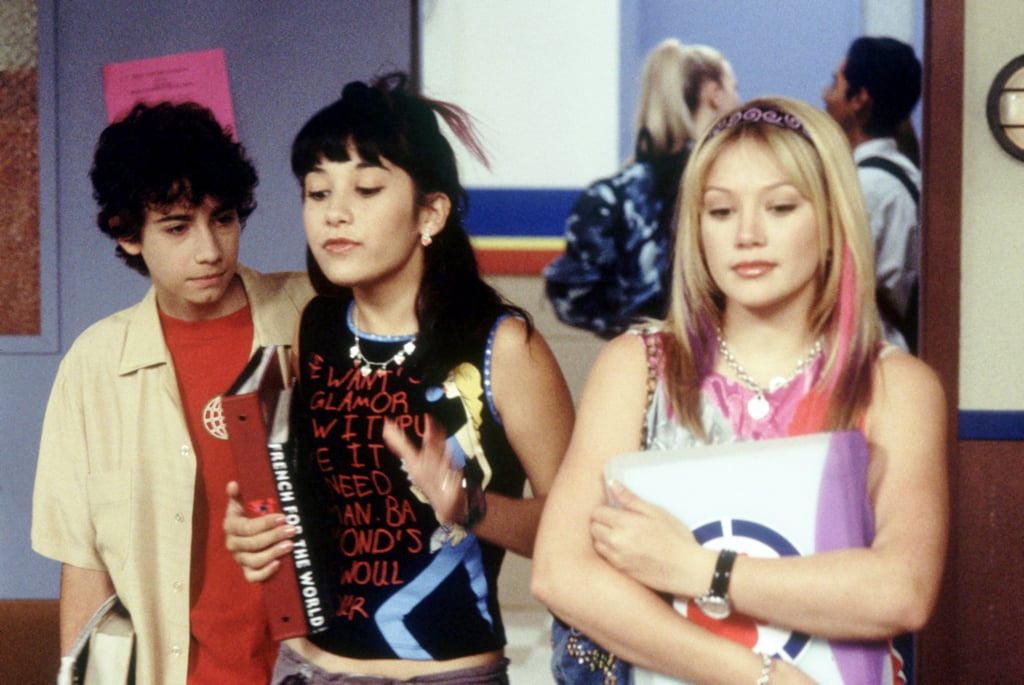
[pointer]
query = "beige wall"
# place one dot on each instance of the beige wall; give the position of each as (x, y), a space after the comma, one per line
(992, 262)
(575, 351)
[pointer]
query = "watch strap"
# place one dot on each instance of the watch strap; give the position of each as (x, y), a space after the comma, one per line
(723, 573)
(476, 503)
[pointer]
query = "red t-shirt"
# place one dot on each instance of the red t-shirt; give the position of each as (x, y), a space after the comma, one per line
(230, 637)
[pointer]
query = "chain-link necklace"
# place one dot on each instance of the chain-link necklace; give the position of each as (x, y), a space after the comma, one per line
(365, 366)
(758, 406)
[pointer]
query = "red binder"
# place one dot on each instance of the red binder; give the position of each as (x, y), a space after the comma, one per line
(257, 418)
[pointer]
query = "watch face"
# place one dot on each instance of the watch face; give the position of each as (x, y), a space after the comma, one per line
(714, 606)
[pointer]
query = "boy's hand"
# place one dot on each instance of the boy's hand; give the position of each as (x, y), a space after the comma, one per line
(255, 543)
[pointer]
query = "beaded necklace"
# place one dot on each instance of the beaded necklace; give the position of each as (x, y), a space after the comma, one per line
(367, 366)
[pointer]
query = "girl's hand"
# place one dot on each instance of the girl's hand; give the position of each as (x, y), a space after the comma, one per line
(647, 543)
(255, 543)
(430, 469)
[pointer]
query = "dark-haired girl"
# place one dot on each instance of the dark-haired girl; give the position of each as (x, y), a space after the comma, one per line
(431, 401)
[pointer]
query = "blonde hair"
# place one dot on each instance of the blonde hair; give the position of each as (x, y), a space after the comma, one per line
(816, 157)
(673, 77)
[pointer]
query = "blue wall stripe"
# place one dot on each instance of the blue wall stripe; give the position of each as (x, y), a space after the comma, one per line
(520, 212)
(991, 425)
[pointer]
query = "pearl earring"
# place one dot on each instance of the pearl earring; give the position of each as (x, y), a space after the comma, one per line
(426, 239)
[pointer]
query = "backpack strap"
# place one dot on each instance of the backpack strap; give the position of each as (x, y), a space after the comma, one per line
(906, 325)
(894, 169)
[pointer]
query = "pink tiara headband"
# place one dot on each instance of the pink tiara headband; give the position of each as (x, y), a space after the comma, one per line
(752, 115)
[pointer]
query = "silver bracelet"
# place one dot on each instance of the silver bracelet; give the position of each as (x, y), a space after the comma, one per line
(766, 669)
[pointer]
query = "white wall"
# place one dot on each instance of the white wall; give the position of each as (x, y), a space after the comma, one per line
(540, 78)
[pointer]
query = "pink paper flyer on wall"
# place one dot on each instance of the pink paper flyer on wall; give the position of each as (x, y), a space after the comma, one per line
(197, 76)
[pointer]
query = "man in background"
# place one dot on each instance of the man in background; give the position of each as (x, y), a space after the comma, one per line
(873, 91)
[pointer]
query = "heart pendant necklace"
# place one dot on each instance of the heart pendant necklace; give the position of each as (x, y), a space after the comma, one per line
(758, 406)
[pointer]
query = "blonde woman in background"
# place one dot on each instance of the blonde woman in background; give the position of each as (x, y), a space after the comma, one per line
(617, 262)
(685, 88)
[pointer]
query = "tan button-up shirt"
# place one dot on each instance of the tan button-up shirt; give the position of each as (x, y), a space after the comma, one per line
(116, 473)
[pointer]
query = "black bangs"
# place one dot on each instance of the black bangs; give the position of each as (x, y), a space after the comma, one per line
(335, 140)
(362, 119)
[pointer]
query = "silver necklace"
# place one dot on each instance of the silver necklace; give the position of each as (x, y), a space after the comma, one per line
(366, 366)
(758, 406)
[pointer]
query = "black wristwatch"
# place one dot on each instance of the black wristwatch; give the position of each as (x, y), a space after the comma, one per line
(715, 602)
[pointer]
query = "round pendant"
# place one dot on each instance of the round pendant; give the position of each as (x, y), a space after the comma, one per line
(758, 407)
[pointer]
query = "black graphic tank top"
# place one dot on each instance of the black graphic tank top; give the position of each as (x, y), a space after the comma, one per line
(403, 586)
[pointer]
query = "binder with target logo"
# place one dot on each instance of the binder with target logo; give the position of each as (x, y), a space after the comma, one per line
(769, 498)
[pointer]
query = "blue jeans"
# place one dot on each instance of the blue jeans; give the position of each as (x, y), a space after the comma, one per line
(292, 669)
(578, 660)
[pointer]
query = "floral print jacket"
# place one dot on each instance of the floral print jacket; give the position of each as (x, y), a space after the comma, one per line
(618, 255)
